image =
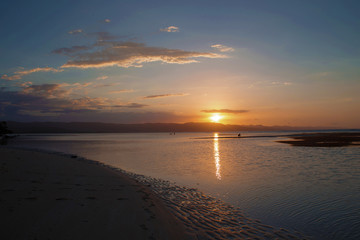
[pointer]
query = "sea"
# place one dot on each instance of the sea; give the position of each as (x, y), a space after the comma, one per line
(313, 190)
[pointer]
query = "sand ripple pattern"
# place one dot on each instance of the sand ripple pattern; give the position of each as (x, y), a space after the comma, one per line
(209, 218)
(204, 217)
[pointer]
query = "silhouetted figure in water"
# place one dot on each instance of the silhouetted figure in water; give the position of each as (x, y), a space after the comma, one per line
(3, 133)
(4, 128)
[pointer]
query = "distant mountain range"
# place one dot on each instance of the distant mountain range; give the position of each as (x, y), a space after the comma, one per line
(97, 127)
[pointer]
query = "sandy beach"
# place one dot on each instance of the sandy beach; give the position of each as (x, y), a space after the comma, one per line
(49, 196)
(335, 139)
(45, 196)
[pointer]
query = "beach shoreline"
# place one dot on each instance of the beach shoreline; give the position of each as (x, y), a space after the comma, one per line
(334, 139)
(316, 139)
(49, 196)
(57, 199)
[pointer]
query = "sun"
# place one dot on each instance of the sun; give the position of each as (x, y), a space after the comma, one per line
(216, 117)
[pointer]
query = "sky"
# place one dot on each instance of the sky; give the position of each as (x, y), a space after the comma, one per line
(246, 62)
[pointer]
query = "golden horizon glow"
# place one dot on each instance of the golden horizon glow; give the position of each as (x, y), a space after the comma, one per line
(216, 117)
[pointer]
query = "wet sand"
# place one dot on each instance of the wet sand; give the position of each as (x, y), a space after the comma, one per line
(342, 139)
(54, 196)
(210, 218)
(46, 196)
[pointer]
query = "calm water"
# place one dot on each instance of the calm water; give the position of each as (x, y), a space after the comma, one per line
(313, 190)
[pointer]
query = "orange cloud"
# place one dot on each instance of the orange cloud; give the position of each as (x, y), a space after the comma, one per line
(166, 95)
(131, 54)
(225, 111)
(121, 91)
(14, 77)
(282, 83)
(102, 77)
(46, 69)
(222, 48)
(170, 29)
(76, 31)
(19, 74)
(45, 90)
(130, 105)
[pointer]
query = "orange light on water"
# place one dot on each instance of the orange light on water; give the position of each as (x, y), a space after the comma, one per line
(217, 156)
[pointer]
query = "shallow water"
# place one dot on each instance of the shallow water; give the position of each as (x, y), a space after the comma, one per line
(312, 190)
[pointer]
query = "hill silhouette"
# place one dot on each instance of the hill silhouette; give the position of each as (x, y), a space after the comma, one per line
(97, 127)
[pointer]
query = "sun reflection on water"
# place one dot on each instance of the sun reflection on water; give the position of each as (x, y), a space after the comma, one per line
(217, 156)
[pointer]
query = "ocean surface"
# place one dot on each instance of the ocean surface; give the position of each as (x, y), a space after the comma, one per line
(312, 190)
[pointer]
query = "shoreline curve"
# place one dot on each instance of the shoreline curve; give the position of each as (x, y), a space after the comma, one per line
(163, 209)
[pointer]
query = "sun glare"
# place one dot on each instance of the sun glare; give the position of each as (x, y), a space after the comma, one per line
(216, 118)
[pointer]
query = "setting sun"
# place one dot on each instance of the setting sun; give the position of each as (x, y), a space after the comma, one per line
(216, 118)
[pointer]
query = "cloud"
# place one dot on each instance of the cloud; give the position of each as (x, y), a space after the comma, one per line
(130, 105)
(132, 54)
(165, 95)
(45, 90)
(19, 74)
(170, 29)
(103, 36)
(77, 88)
(53, 100)
(31, 101)
(76, 31)
(282, 83)
(24, 84)
(14, 77)
(69, 51)
(18, 106)
(222, 48)
(105, 85)
(122, 91)
(92, 103)
(129, 116)
(46, 69)
(102, 77)
(225, 111)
